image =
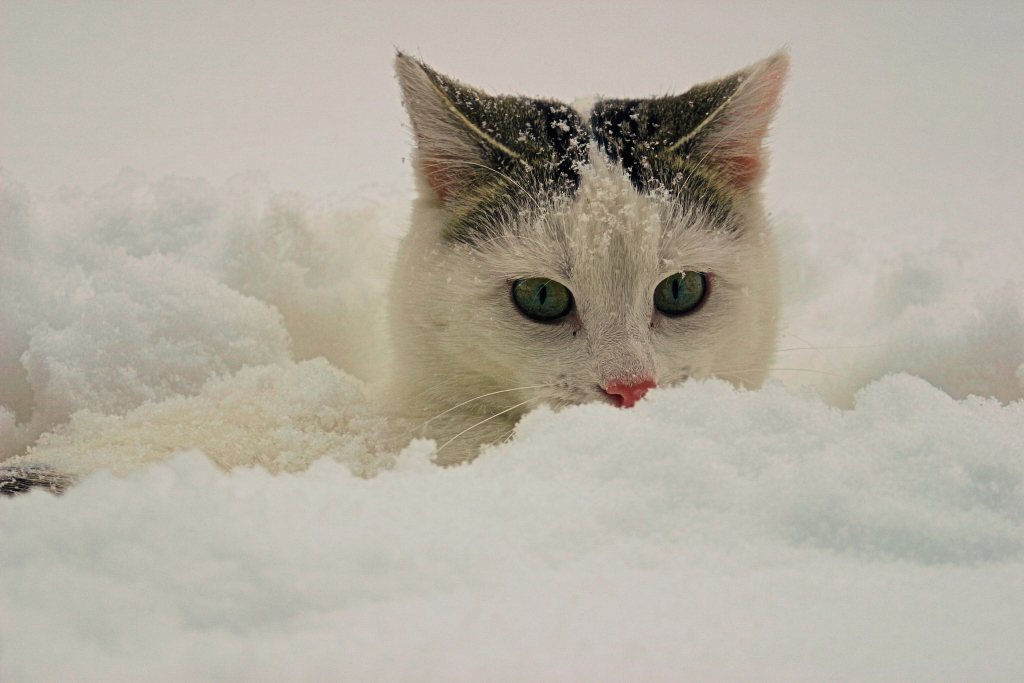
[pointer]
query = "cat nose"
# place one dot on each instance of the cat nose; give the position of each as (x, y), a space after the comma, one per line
(626, 394)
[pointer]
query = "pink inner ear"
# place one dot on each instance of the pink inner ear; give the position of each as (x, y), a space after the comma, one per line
(743, 170)
(740, 152)
(445, 174)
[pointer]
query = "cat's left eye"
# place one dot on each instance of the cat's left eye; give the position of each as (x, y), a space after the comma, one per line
(680, 293)
(542, 299)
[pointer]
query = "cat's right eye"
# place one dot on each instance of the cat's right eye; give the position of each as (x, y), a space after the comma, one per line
(542, 299)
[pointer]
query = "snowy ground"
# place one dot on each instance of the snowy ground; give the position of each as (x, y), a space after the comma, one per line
(859, 519)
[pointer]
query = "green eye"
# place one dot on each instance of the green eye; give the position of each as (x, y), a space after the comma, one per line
(680, 293)
(541, 298)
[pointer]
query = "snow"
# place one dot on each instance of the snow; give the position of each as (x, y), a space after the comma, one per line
(860, 518)
(708, 531)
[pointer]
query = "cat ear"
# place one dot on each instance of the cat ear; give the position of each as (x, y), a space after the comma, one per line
(452, 151)
(468, 139)
(736, 113)
(718, 126)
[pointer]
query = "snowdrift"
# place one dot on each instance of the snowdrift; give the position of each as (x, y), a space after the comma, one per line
(201, 357)
(709, 533)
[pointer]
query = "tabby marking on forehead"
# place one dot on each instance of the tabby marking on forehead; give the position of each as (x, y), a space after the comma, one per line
(658, 143)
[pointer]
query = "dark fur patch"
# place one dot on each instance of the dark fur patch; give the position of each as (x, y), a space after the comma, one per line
(642, 135)
(15, 479)
(532, 149)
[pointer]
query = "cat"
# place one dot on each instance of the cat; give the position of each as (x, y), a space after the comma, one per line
(562, 254)
(566, 254)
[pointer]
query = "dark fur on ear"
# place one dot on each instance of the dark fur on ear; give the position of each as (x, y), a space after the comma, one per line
(478, 152)
(706, 145)
(19, 478)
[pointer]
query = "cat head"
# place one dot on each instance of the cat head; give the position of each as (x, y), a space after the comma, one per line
(564, 254)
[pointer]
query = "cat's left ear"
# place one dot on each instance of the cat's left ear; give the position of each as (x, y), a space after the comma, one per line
(718, 126)
(739, 109)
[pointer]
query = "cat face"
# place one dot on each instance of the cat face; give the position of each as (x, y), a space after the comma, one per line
(562, 255)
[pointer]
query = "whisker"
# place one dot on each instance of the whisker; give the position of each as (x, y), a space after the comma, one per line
(819, 372)
(833, 348)
(493, 393)
(486, 419)
(798, 338)
(737, 373)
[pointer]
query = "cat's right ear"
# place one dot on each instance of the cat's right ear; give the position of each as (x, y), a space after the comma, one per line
(449, 148)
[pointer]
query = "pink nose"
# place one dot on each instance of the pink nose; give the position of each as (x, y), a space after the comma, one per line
(625, 394)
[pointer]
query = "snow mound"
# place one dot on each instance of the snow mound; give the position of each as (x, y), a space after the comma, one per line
(243, 513)
(854, 316)
(707, 530)
(143, 291)
(278, 417)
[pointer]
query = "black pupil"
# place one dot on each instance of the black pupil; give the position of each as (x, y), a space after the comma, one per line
(543, 294)
(675, 288)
